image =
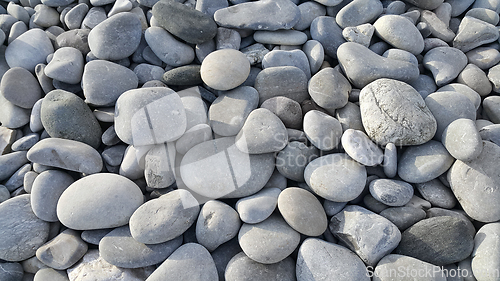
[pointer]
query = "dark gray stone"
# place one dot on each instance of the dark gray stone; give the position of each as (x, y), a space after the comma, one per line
(445, 63)
(184, 22)
(438, 240)
(437, 193)
(325, 30)
(403, 217)
(25, 142)
(359, 12)
(288, 110)
(329, 89)
(293, 159)
(223, 254)
(76, 38)
(46, 191)
(391, 192)
(11, 271)
(65, 115)
(308, 12)
(94, 236)
(20, 87)
(243, 268)
(21, 232)
(287, 81)
(295, 58)
(188, 75)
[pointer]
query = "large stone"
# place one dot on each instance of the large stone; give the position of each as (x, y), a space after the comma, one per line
(66, 65)
(29, 49)
(322, 130)
(369, 235)
(21, 232)
(473, 33)
(217, 168)
(329, 89)
(163, 219)
(46, 191)
(386, 269)
(62, 251)
(65, 115)
(167, 48)
(400, 33)
(476, 184)
(485, 257)
(217, 223)
(359, 12)
(287, 81)
(462, 140)
(225, 69)
(407, 122)
(438, 240)
(20, 87)
(326, 31)
(445, 63)
(243, 268)
(118, 197)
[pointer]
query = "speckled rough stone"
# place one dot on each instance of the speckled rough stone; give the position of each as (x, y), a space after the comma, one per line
(243, 268)
(62, 251)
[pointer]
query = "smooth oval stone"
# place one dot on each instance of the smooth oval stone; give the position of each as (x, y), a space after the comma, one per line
(66, 154)
(167, 48)
(65, 115)
(475, 184)
(359, 146)
(268, 242)
(436, 26)
(12, 271)
(308, 12)
(79, 208)
(225, 69)
(329, 89)
(287, 110)
(228, 112)
(159, 107)
(403, 217)
(315, 54)
(322, 130)
(280, 37)
(119, 248)
(184, 22)
(12, 116)
(391, 192)
(66, 65)
(238, 174)
(217, 223)
(318, 259)
(295, 58)
(400, 33)
(263, 15)
(45, 16)
(103, 82)
(46, 191)
(485, 260)
(190, 261)
(437, 193)
(262, 132)
(393, 262)
(483, 57)
(17, 179)
(172, 213)
(383, 119)
(94, 267)
(369, 235)
(438, 240)
(464, 90)
(243, 268)
(372, 67)
(50, 274)
(104, 43)
(490, 106)
(359, 12)
(462, 140)
(287, 81)
(424, 162)
(26, 142)
(448, 107)
(445, 63)
(310, 219)
(133, 165)
(62, 251)
(484, 14)
(192, 137)
(476, 79)
(258, 207)
(11, 162)
(183, 76)
(293, 159)
(494, 77)
(343, 185)
(20, 87)
(325, 30)
(473, 33)
(20, 242)
(29, 49)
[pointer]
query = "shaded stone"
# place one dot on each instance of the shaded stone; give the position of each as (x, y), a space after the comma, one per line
(359, 12)
(46, 191)
(20, 87)
(400, 33)
(287, 81)
(187, 75)
(243, 268)
(462, 140)
(217, 223)
(391, 192)
(76, 38)
(287, 110)
(403, 217)
(473, 33)
(258, 207)
(322, 130)
(445, 63)
(384, 271)
(325, 30)
(329, 89)
(485, 260)
(62, 251)
(437, 193)
(293, 159)
(29, 49)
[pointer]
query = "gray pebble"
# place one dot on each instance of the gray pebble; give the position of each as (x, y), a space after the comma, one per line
(473, 33)
(280, 37)
(437, 194)
(424, 162)
(18, 12)
(344, 185)
(462, 140)
(4, 193)
(465, 90)
(44, 80)
(403, 217)
(21, 53)
(94, 236)
(288, 110)
(26, 142)
(325, 30)
(16, 30)
(436, 26)
(17, 179)
(476, 79)
(11, 271)
(50, 274)
(400, 33)
(217, 223)
(258, 207)
(243, 268)
(390, 162)
(360, 148)
(287, 81)
(329, 89)
(392, 262)
(308, 12)
(322, 130)
(490, 106)
(159, 165)
(361, 34)
(192, 137)
(66, 65)
(393, 193)
(485, 254)
(445, 63)
(262, 132)
(148, 72)
(484, 57)
(293, 159)
(62, 251)
(351, 15)
(119, 248)
(295, 58)
(426, 4)
(369, 235)
(315, 54)
(175, 54)
(349, 117)
(225, 69)
(20, 87)
(484, 14)
(76, 38)
(46, 191)
(10, 163)
(459, 6)
(94, 16)
(74, 17)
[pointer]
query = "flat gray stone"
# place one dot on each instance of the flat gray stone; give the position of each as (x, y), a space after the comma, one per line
(295, 58)
(238, 174)
(464, 90)
(322, 130)
(65, 115)
(393, 193)
(159, 107)
(29, 49)
(228, 112)
(66, 154)
(359, 12)
(50, 274)
(392, 262)
(170, 50)
(76, 38)
(445, 63)
(119, 248)
(104, 43)
(12, 116)
(369, 235)
(21, 232)
(437, 193)
(163, 219)
(362, 66)
(225, 69)
(476, 79)
(462, 140)
(329, 89)
(490, 106)
(192, 137)
(475, 184)
(485, 254)
(315, 54)
(11, 271)
(494, 77)
(217, 223)
(11, 162)
(308, 12)
(191, 261)
(259, 206)
(325, 30)
(438, 240)
(78, 208)
(436, 26)
(46, 191)
(349, 117)
(400, 33)
(263, 15)
(287, 110)
(20, 87)
(103, 82)
(483, 57)
(293, 159)
(187, 75)
(287, 81)
(262, 132)
(243, 268)
(403, 217)
(268, 242)
(360, 148)
(473, 33)
(25, 142)
(62, 251)
(343, 185)
(383, 119)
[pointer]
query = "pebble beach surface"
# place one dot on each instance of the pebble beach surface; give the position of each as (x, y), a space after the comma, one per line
(211, 140)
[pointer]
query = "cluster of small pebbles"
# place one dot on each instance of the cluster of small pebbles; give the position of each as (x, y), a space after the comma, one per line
(206, 140)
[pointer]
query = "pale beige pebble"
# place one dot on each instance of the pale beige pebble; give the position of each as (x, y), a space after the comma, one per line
(225, 69)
